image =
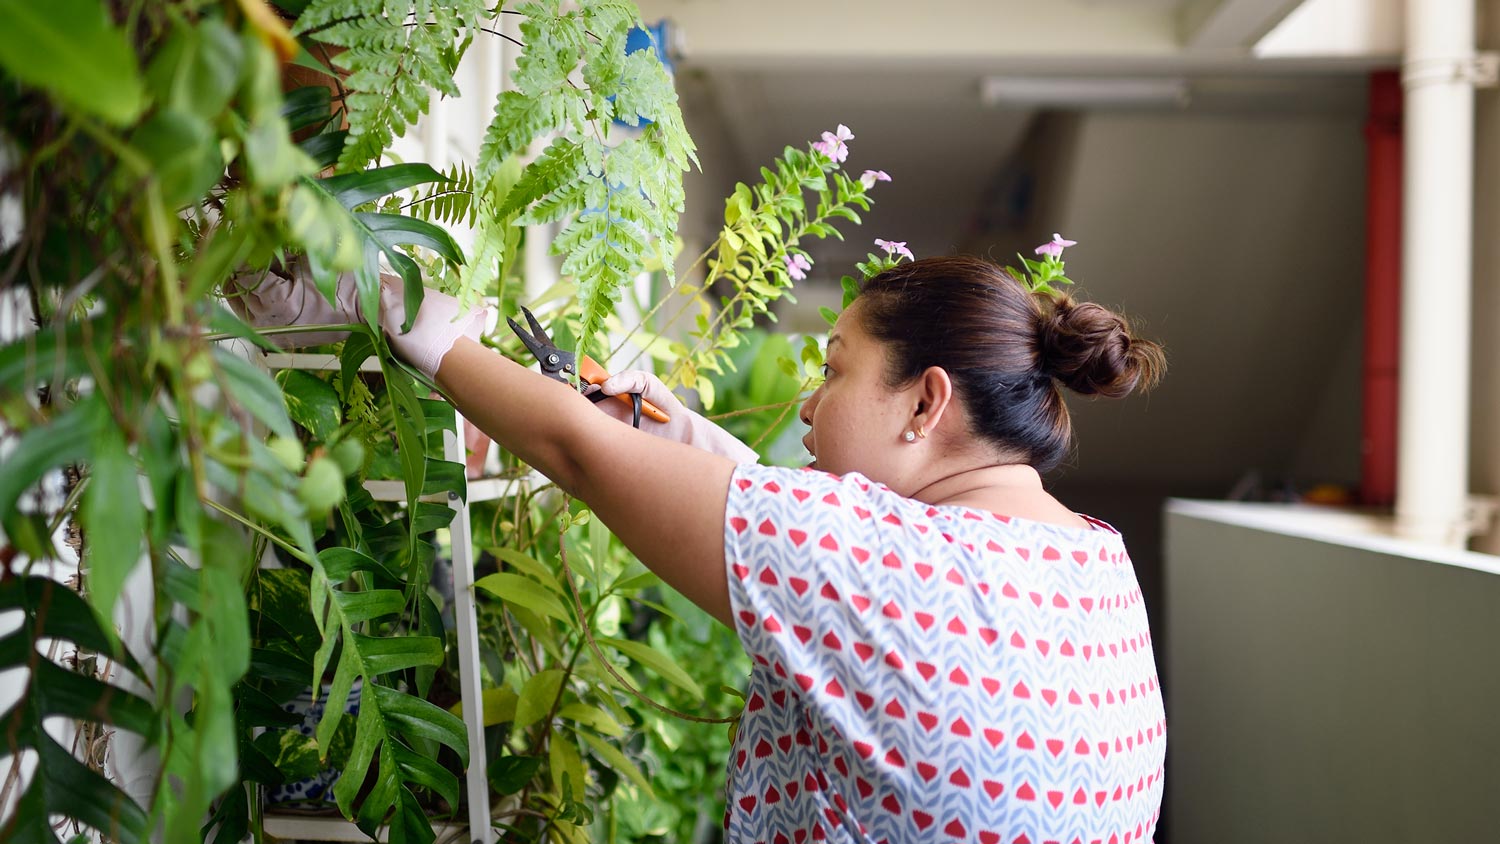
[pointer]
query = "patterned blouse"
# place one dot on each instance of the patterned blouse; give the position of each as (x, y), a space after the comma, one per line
(934, 673)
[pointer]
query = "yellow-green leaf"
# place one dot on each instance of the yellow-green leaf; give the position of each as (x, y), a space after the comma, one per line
(656, 661)
(537, 697)
(612, 756)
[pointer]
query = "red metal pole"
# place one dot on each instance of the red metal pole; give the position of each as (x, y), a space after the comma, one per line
(1382, 341)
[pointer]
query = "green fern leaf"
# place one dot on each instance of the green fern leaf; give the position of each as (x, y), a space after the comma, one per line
(518, 119)
(560, 163)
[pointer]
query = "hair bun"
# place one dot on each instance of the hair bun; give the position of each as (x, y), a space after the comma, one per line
(1090, 349)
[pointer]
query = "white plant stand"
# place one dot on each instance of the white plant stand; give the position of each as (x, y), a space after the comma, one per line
(466, 626)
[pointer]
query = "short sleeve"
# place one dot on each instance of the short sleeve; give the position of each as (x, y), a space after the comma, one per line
(803, 550)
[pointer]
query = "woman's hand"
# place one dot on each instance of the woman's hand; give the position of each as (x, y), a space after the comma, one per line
(685, 425)
(292, 298)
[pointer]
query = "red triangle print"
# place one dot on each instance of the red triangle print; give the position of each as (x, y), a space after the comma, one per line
(1066, 649)
(773, 796)
(738, 524)
(1055, 798)
(891, 561)
(772, 486)
(954, 577)
(1049, 553)
(864, 700)
(831, 498)
(802, 633)
(959, 778)
(1087, 604)
(894, 709)
(864, 749)
(995, 737)
(926, 771)
(863, 651)
(864, 787)
(1050, 696)
(860, 554)
(956, 829)
(860, 602)
(1009, 591)
(741, 571)
(747, 617)
(923, 570)
(772, 625)
(829, 592)
(956, 626)
(1023, 553)
(927, 720)
(1025, 792)
(748, 803)
(958, 677)
(832, 642)
(1080, 557)
(926, 669)
(800, 494)
(988, 837)
(769, 577)
(993, 789)
(1042, 646)
(1017, 640)
(890, 610)
(834, 689)
(991, 545)
(742, 483)
(828, 542)
(767, 528)
(1055, 747)
(891, 518)
(1081, 748)
(991, 685)
(960, 727)
(921, 819)
(841, 766)
(894, 758)
(798, 585)
(1020, 690)
(1025, 741)
(1036, 598)
(895, 661)
(862, 513)
(989, 635)
(763, 749)
(755, 703)
(924, 620)
(797, 536)
(805, 682)
(891, 804)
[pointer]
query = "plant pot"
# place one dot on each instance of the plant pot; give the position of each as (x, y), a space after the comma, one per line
(314, 794)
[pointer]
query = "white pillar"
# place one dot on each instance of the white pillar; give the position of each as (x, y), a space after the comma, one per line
(1432, 468)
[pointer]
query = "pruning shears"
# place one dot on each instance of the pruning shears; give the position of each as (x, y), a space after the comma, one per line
(558, 364)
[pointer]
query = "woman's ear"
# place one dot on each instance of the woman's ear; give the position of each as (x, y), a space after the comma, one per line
(934, 398)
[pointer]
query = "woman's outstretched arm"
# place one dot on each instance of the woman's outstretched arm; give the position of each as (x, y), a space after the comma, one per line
(665, 500)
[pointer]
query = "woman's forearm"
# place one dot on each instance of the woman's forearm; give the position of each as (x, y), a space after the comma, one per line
(527, 413)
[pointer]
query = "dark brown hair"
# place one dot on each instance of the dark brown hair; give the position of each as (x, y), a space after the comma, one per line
(1008, 350)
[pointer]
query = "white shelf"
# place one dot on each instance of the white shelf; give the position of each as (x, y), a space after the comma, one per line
(319, 363)
(483, 489)
(466, 628)
(315, 828)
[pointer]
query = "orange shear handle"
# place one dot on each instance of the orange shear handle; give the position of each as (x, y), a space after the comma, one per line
(590, 370)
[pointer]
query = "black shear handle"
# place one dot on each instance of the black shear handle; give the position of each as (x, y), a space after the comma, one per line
(635, 405)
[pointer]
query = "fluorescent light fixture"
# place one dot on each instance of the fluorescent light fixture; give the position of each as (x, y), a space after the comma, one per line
(1083, 91)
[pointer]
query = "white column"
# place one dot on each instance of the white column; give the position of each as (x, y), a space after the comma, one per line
(1433, 441)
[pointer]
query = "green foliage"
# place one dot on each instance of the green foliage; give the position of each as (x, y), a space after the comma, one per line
(396, 53)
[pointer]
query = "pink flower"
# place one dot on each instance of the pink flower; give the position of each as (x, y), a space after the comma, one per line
(797, 266)
(833, 146)
(870, 177)
(1055, 246)
(895, 247)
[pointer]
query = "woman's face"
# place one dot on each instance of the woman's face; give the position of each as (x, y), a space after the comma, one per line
(857, 421)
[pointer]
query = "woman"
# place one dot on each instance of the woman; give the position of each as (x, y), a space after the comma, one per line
(942, 651)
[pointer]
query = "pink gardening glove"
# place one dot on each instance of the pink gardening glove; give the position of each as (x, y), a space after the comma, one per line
(685, 427)
(272, 299)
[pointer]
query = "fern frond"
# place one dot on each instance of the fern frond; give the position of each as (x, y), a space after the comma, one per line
(562, 162)
(518, 119)
(449, 202)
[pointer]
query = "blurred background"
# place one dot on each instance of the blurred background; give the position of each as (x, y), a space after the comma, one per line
(1251, 181)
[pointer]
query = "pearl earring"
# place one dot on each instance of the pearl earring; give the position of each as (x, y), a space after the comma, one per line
(910, 437)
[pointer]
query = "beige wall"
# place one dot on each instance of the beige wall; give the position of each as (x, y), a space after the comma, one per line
(1318, 692)
(1485, 458)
